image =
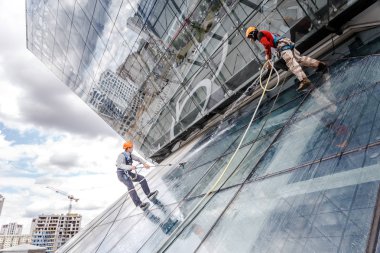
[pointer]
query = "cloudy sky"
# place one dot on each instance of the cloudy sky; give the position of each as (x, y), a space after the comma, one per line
(48, 136)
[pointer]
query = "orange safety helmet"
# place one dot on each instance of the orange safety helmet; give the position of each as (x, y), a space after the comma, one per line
(250, 31)
(128, 144)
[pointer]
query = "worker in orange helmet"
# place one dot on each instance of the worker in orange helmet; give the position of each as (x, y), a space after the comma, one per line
(285, 49)
(126, 175)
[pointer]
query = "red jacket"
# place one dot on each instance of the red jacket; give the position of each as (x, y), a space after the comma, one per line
(266, 39)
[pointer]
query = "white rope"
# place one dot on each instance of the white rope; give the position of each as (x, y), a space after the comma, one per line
(213, 187)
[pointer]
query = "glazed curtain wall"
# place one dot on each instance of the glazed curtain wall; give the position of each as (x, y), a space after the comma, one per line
(151, 68)
(305, 180)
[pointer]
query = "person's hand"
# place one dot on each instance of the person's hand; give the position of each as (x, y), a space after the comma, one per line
(269, 65)
(133, 167)
(146, 166)
(267, 58)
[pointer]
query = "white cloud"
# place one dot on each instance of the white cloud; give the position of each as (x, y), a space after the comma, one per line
(93, 179)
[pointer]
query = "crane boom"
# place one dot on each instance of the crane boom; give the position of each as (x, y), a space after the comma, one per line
(69, 196)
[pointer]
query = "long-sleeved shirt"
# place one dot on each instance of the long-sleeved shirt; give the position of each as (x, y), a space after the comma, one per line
(267, 40)
(121, 164)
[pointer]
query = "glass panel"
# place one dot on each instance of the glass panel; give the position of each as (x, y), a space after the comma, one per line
(59, 57)
(130, 25)
(102, 23)
(63, 20)
(89, 61)
(196, 230)
(328, 217)
(76, 44)
(68, 7)
(218, 173)
(256, 151)
(88, 6)
(112, 7)
(159, 222)
(361, 44)
(180, 182)
(81, 22)
(294, 17)
(334, 128)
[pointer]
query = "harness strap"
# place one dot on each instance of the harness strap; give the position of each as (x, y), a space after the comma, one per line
(276, 39)
(128, 158)
(286, 47)
(129, 161)
(285, 44)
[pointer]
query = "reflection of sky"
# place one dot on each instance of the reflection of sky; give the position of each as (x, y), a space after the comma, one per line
(88, 49)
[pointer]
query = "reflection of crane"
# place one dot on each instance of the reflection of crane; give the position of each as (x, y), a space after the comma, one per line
(70, 197)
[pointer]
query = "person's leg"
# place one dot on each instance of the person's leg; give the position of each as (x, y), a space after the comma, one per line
(131, 188)
(293, 65)
(144, 184)
(305, 60)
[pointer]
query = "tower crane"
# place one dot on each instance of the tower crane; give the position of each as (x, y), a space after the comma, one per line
(69, 196)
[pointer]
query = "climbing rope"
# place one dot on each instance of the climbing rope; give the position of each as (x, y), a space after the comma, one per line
(140, 166)
(265, 89)
(213, 187)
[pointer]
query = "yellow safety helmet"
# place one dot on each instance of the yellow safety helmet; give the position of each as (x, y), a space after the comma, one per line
(250, 31)
(128, 144)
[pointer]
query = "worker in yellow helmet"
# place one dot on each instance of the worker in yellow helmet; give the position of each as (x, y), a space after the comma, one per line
(125, 168)
(285, 49)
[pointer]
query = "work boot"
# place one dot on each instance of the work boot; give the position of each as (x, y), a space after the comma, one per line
(152, 195)
(144, 206)
(321, 67)
(304, 84)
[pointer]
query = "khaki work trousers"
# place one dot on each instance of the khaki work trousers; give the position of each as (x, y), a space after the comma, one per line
(294, 60)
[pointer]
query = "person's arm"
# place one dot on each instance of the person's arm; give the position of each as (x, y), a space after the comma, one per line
(120, 163)
(265, 41)
(142, 161)
(267, 46)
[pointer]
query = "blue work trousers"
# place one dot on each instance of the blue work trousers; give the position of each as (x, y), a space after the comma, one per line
(128, 178)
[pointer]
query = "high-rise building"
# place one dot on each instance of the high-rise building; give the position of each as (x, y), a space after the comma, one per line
(52, 231)
(7, 241)
(301, 176)
(11, 229)
(1, 202)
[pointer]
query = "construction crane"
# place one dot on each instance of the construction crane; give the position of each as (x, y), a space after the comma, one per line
(69, 196)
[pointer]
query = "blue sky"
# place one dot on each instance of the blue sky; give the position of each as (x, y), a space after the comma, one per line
(31, 136)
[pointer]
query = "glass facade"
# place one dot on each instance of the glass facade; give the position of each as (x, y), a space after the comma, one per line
(153, 69)
(306, 178)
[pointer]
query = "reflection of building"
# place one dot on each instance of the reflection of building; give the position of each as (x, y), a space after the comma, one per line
(1, 202)
(306, 176)
(11, 229)
(7, 241)
(116, 88)
(111, 94)
(52, 231)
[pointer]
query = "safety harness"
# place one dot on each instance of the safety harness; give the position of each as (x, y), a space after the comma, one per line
(277, 38)
(128, 161)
